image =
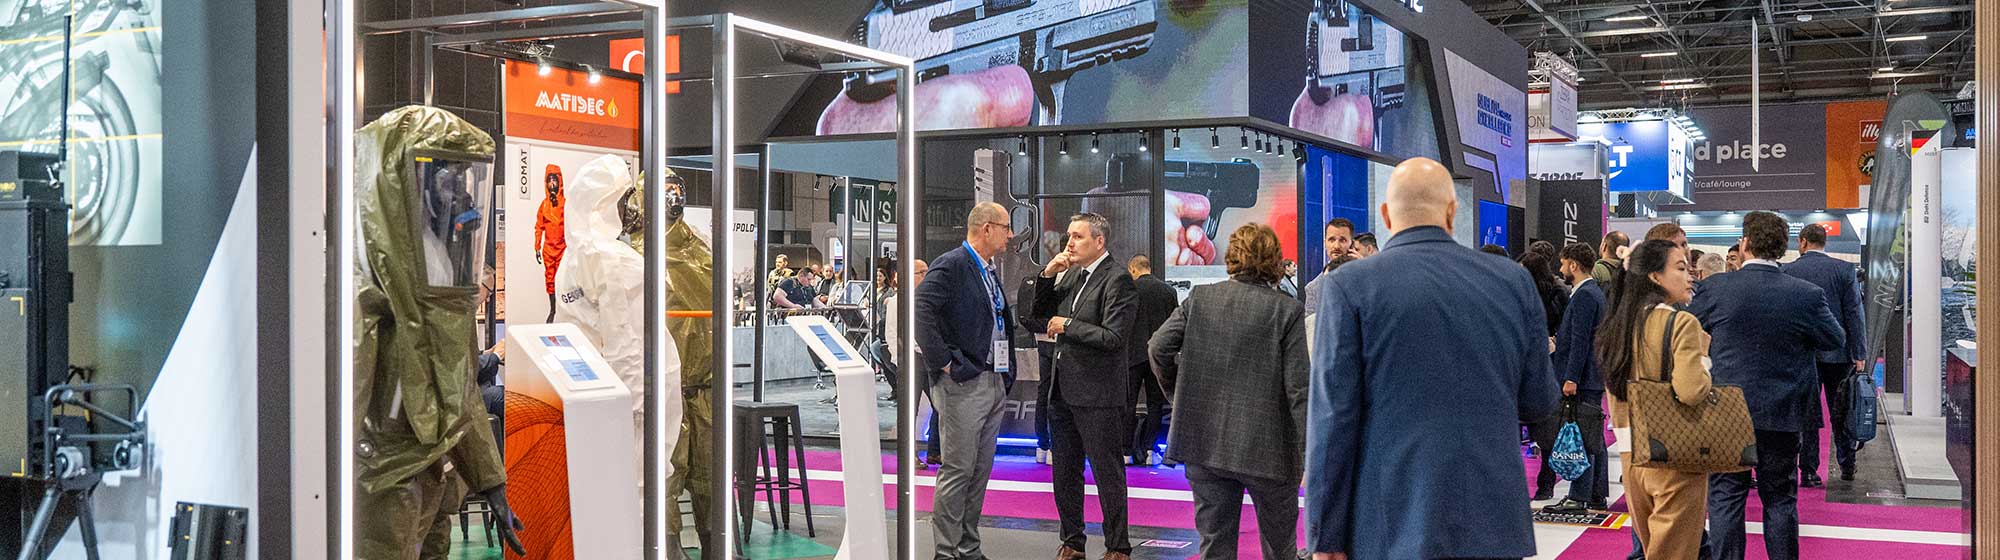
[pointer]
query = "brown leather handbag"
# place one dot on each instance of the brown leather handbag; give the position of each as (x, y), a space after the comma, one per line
(1713, 436)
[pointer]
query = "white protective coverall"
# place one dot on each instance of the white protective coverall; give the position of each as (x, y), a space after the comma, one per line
(600, 288)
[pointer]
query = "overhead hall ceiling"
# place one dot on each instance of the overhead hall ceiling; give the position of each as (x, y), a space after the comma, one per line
(1698, 52)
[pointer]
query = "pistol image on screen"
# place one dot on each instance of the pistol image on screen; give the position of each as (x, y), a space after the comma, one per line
(1051, 39)
(1349, 51)
(1227, 184)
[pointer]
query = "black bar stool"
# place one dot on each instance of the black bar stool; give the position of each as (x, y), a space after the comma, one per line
(769, 441)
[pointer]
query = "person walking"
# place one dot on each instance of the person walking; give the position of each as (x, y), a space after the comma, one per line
(1089, 305)
(1554, 301)
(1666, 505)
(1609, 261)
(1429, 356)
(1153, 301)
(963, 330)
(1232, 351)
(1582, 382)
(1768, 328)
(1837, 279)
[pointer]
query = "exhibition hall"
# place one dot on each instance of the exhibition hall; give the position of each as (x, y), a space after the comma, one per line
(968, 279)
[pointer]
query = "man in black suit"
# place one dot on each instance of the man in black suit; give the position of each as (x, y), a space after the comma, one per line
(1575, 361)
(964, 331)
(1155, 301)
(1843, 294)
(1767, 329)
(1089, 304)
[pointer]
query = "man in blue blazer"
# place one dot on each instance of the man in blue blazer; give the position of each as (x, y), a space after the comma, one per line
(1430, 356)
(1766, 329)
(964, 329)
(1843, 294)
(1576, 366)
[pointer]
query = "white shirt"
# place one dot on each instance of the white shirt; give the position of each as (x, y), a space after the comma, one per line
(1579, 286)
(1765, 262)
(1087, 271)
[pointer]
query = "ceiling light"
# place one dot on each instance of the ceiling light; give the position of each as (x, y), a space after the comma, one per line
(1214, 141)
(1177, 138)
(1657, 55)
(1626, 31)
(1024, 144)
(1063, 148)
(545, 69)
(1627, 18)
(1886, 69)
(1244, 138)
(1093, 142)
(1677, 81)
(1906, 38)
(595, 76)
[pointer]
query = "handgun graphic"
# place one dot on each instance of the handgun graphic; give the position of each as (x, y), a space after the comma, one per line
(1051, 39)
(1349, 51)
(1227, 184)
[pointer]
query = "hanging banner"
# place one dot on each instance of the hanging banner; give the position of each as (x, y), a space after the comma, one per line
(1570, 211)
(1643, 156)
(629, 55)
(1564, 162)
(571, 107)
(1552, 112)
(1852, 130)
(1492, 117)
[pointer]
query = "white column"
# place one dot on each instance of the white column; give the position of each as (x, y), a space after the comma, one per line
(1926, 274)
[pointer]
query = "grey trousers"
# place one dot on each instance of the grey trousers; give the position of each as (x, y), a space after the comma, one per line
(1218, 509)
(969, 429)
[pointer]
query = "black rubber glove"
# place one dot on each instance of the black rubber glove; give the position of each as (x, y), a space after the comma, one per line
(509, 525)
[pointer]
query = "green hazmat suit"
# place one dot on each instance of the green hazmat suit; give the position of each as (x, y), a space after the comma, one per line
(690, 272)
(419, 418)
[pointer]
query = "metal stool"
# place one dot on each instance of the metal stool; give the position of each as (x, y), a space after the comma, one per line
(764, 462)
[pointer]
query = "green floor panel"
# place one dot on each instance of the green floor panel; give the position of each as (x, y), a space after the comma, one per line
(764, 543)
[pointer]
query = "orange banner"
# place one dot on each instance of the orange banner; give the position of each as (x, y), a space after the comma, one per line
(562, 105)
(1851, 130)
(629, 55)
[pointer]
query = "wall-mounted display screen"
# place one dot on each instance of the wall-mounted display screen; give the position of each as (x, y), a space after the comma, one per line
(1336, 70)
(1011, 63)
(1214, 185)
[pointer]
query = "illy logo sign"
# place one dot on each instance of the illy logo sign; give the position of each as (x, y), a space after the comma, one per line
(1871, 131)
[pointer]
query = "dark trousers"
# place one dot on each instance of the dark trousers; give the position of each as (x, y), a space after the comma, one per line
(1777, 483)
(1543, 434)
(1148, 431)
(1833, 384)
(1098, 433)
(1594, 486)
(1047, 352)
(1218, 509)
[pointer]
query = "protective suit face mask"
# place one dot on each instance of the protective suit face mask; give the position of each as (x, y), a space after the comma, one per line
(454, 198)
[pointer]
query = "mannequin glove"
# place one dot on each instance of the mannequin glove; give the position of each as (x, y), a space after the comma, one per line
(510, 526)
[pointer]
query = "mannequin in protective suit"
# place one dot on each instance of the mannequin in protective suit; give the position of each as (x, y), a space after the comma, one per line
(550, 232)
(420, 421)
(602, 284)
(689, 276)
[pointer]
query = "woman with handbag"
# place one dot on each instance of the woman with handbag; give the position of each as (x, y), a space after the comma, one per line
(1644, 339)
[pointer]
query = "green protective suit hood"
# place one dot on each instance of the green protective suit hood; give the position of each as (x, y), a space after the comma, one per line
(416, 403)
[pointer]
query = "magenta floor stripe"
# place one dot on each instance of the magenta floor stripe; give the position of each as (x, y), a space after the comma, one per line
(1604, 544)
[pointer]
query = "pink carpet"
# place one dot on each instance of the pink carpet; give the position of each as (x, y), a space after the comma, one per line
(1593, 544)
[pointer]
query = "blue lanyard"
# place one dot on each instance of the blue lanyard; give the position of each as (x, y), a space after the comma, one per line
(992, 292)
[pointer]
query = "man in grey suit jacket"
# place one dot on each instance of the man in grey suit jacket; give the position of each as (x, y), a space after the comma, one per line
(1238, 348)
(1429, 356)
(1836, 278)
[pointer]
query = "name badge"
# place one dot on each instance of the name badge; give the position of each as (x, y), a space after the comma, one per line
(1002, 356)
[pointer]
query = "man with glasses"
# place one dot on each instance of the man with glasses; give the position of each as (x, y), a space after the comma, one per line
(964, 331)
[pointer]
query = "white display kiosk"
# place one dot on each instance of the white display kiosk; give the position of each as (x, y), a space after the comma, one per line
(606, 513)
(867, 535)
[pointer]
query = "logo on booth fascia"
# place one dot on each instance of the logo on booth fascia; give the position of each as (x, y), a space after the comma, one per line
(1497, 119)
(1871, 131)
(579, 104)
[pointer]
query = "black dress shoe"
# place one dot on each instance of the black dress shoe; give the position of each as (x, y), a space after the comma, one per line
(1567, 507)
(1847, 473)
(1811, 481)
(1543, 495)
(1599, 506)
